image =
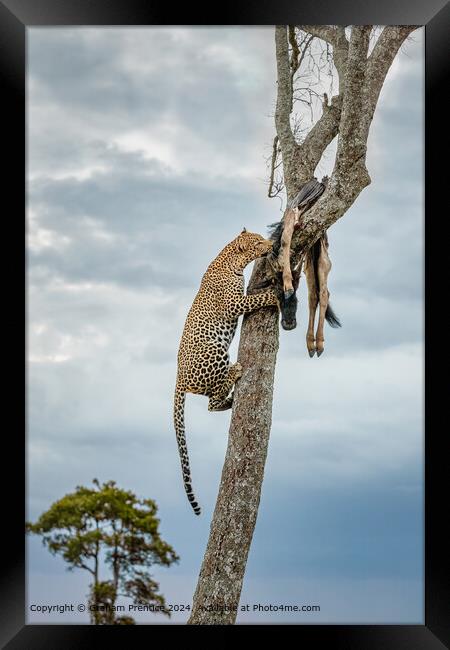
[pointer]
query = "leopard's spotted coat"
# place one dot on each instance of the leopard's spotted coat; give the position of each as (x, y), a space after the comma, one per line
(203, 362)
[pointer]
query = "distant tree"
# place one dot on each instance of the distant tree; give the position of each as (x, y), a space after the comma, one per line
(108, 524)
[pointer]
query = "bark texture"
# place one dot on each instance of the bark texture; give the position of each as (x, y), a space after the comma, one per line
(219, 587)
(347, 115)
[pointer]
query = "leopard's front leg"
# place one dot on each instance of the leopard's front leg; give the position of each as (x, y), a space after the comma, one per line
(247, 303)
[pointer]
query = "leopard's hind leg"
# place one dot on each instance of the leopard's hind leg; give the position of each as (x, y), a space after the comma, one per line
(220, 400)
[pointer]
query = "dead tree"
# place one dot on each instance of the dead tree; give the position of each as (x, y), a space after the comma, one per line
(347, 115)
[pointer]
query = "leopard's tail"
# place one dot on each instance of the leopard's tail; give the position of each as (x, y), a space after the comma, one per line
(178, 419)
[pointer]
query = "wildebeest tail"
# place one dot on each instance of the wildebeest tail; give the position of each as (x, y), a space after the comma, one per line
(178, 420)
(331, 317)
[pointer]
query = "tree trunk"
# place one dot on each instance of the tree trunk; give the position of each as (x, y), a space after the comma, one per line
(96, 616)
(219, 587)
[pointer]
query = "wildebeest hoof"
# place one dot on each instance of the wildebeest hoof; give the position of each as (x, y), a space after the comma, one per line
(319, 352)
(288, 294)
(291, 325)
(311, 353)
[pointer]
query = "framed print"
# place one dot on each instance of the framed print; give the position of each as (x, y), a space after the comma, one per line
(238, 212)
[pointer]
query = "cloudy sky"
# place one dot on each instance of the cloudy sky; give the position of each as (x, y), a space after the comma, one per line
(146, 155)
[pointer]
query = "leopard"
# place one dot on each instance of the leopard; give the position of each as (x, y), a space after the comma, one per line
(204, 366)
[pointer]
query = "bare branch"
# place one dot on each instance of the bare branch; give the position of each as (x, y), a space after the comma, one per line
(81, 565)
(327, 33)
(307, 43)
(335, 36)
(365, 78)
(309, 153)
(378, 64)
(284, 95)
(273, 166)
(350, 174)
(294, 61)
(315, 143)
(351, 143)
(297, 57)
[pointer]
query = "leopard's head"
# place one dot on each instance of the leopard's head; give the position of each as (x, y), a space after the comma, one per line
(248, 246)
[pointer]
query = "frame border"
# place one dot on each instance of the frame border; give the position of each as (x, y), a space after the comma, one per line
(15, 17)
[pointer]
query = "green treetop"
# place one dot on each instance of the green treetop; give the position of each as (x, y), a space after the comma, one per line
(108, 524)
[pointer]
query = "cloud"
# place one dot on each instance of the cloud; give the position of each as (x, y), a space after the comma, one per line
(164, 107)
(134, 225)
(145, 157)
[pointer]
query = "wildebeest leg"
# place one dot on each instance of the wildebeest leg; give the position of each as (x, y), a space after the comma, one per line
(312, 302)
(289, 305)
(290, 220)
(323, 269)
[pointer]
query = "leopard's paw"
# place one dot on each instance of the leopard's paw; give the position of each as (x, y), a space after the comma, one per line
(238, 370)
